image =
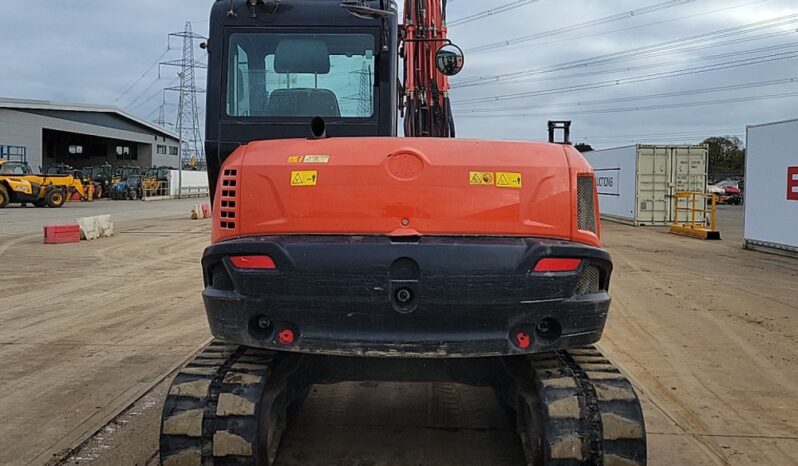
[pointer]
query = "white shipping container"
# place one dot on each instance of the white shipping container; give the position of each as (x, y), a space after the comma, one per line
(194, 182)
(771, 186)
(637, 184)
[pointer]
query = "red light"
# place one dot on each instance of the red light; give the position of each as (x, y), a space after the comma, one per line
(551, 264)
(523, 340)
(286, 337)
(253, 262)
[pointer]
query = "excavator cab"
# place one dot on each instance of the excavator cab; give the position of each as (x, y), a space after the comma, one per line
(275, 66)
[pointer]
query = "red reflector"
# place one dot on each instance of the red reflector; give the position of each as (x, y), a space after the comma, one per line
(253, 262)
(551, 264)
(286, 337)
(523, 340)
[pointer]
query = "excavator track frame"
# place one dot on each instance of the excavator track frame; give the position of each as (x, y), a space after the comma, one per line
(575, 408)
(231, 405)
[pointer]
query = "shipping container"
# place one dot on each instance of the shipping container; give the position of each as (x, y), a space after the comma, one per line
(771, 187)
(637, 184)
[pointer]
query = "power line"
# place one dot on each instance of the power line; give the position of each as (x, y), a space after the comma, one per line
(709, 90)
(640, 108)
(666, 134)
(138, 80)
(639, 26)
(528, 76)
(638, 79)
(132, 104)
(649, 50)
(596, 22)
(659, 64)
(491, 12)
(692, 139)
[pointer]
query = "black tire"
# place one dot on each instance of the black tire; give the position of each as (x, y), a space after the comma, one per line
(40, 204)
(4, 199)
(55, 198)
(132, 195)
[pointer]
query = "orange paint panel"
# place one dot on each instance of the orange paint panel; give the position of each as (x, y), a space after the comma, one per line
(403, 186)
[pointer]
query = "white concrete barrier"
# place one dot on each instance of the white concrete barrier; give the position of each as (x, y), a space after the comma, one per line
(92, 228)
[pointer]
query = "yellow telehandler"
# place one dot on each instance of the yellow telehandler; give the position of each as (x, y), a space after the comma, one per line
(18, 184)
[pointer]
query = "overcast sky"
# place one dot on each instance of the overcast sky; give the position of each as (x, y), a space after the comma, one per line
(624, 71)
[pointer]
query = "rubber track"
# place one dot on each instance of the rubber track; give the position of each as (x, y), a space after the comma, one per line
(579, 410)
(212, 412)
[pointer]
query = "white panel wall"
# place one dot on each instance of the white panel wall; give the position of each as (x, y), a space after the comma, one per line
(22, 129)
(191, 179)
(616, 174)
(770, 217)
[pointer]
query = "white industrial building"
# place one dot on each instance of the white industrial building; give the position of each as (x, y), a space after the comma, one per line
(83, 135)
(771, 187)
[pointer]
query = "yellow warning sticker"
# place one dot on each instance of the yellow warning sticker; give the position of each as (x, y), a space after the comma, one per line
(304, 178)
(481, 178)
(317, 159)
(295, 159)
(508, 180)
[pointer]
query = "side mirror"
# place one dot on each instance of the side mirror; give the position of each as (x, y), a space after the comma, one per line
(449, 60)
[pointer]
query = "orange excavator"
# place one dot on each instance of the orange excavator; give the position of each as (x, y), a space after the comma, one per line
(341, 252)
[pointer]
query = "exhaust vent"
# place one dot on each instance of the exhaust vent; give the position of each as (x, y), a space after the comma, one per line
(228, 213)
(586, 204)
(589, 281)
(220, 279)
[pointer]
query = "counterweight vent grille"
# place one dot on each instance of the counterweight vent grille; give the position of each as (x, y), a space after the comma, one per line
(586, 205)
(220, 279)
(228, 212)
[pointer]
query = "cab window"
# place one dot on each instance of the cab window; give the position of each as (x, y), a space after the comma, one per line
(301, 75)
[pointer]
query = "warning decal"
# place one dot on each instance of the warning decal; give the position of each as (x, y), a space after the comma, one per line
(508, 180)
(317, 158)
(481, 178)
(295, 159)
(304, 178)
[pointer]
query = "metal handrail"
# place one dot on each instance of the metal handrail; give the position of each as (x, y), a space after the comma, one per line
(694, 227)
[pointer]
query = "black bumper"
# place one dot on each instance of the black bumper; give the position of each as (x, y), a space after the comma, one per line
(468, 297)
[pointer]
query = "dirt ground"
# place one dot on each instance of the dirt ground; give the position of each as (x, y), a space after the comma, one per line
(85, 328)
(706, 331)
